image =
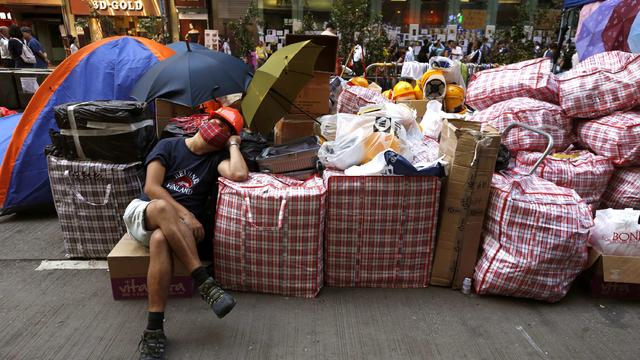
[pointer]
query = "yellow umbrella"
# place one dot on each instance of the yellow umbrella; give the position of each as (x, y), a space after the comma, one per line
(276, 84)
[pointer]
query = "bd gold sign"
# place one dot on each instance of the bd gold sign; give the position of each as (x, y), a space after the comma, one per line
(135, 5)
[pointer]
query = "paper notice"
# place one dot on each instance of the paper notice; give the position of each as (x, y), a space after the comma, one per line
(29, 85)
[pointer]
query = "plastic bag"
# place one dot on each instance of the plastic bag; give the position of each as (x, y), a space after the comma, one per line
(344, 153)
(432, 120)
(251, 147)
(399, 113)
(328, 126)
(347, 124)
(616, 232)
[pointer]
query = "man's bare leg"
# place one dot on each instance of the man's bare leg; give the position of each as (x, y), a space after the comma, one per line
(160, 271)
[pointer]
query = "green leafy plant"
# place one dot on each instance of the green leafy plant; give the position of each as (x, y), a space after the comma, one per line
(150, 26)
(354, 24)
(244, 30)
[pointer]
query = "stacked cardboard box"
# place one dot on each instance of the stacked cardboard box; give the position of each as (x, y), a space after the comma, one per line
(472, 155)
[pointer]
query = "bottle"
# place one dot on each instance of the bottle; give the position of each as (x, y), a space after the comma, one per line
(466, 286)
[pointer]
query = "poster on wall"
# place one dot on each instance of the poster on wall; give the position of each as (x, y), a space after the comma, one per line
(452, 32)
(211, 39)
(193, 30)
(489, 31)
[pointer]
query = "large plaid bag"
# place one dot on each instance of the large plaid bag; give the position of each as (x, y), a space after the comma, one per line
(268, 235)
(586, 173)
(352, 98)
(90, 198)
(600, 85)
(623, 191)
(534, 239)
(531, 79)
(616, 137)
(380, 230)
(538, 114)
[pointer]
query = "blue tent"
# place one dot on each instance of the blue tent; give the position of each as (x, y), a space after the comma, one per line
(568, 4)
(103, 70)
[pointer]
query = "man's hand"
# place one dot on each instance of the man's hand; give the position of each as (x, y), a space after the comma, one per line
(234, 139)
(194, 225)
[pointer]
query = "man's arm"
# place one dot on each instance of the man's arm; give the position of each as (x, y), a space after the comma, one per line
(234, 168)
(153, 188)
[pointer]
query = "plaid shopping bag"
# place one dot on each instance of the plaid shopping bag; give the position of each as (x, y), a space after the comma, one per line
(616, 137)
(531, 79)
(90, 198)
(380, 230)
(534, 239)
(352, 98)
(624, 190)
(268, 235)
(539, 114)
(600, 85)
(586, 173)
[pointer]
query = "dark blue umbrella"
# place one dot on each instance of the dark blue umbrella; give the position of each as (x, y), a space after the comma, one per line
(193, 77)
(181, 46)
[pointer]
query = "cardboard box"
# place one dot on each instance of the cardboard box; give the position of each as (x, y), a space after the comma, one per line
(419, 105)
(314, 97)
(465, 197)
(293, 127)
(614, 276)
(327, 58)
(128, 264)
(166, 110)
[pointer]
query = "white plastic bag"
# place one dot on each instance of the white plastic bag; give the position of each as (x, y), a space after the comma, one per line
(616, 232)
(343, 153)
(348, 124)
(432, 120)
(328, 126)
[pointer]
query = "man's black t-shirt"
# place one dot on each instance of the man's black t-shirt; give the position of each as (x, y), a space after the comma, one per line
(189, 178)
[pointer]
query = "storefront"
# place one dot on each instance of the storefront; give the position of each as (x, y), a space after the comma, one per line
(116, 17)
(44, 17)
(193, 20)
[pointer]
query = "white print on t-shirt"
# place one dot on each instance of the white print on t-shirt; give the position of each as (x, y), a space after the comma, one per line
(183, 182)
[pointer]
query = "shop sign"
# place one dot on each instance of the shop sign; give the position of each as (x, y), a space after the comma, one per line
(102, 5)
(190, 3)
(474, 19)
(116, 7)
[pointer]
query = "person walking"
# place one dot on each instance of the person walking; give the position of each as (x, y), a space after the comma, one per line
(169, 217)
(261, 52)
(21, 54)
(5, 55)
(329, 30)
(42, 60)
(73, 48)
(358, 59)
(456, 51)
(226, 48)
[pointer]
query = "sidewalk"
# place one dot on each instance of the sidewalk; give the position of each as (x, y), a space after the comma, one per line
(70, 314)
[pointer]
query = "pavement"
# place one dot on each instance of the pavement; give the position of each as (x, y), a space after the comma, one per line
(70, 314)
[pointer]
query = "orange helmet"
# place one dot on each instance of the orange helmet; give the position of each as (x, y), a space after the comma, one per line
(359, 81)
(232, 117)
(418, 92)
(403, 91)
(454, 99)
(388, 94)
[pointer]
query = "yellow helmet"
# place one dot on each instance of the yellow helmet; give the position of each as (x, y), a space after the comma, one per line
(454, 99)
(403, 91)
(359, 81)
(388, 94)
(433, 84)
(418, 92)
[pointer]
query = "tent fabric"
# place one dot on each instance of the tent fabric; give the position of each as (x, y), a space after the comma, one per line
(568, 4)
(7, 126)
(104, 70)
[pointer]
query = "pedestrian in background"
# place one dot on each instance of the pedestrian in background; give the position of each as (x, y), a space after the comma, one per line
(423, 54)
(261, 52)
(19, 50)
(42, 60)
(226, 48)
(456, 51)
(329, 30)
(73, 48)
(5, 55)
